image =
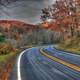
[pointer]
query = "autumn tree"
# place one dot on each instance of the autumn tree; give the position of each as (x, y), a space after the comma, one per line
(65, 13)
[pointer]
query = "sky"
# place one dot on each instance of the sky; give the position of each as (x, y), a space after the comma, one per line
(24, 10)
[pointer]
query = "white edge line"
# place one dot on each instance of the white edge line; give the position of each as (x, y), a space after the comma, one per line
(18, 64)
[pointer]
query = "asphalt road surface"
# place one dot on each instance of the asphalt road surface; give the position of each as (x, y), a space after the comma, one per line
(32, 64)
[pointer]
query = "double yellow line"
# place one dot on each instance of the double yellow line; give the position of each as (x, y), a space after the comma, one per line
(72, 66)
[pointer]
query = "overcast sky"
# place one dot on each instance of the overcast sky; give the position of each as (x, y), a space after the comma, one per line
(24, 10)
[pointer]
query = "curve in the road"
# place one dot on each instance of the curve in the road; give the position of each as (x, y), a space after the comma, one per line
(34, 64)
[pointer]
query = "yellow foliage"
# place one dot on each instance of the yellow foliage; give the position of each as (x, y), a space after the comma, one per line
(5, 49)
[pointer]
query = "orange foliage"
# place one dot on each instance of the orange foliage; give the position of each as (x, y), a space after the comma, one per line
(46, 24)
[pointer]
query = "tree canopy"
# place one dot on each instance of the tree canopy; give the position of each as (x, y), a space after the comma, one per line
(64, 14)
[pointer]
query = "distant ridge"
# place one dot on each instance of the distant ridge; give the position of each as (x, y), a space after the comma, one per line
(18, 24)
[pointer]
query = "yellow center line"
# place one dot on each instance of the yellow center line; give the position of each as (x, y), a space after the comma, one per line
(72, 66)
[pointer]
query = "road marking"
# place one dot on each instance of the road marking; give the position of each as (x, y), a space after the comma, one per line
(72, 66)
(18, 64)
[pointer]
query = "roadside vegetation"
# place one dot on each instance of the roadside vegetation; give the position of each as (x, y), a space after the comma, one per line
(7, 57)
(71, 45)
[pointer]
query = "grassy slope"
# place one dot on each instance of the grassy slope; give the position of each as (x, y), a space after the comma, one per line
(5, 60)
(71, 45)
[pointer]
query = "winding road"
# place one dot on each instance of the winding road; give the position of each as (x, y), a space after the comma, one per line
(46, 63)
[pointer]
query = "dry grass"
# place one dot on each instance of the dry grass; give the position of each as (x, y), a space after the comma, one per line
(72, 45)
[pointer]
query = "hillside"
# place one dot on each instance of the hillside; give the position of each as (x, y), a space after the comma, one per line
(8, 24)
(19, 33)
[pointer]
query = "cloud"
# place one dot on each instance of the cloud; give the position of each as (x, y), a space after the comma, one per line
(27, 10)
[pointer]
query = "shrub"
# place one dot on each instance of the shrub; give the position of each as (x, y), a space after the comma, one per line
(5, 49)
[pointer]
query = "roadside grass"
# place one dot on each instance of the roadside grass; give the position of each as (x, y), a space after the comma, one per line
(7, 59)
(3, 58)
(71, 50)
(72, 45)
